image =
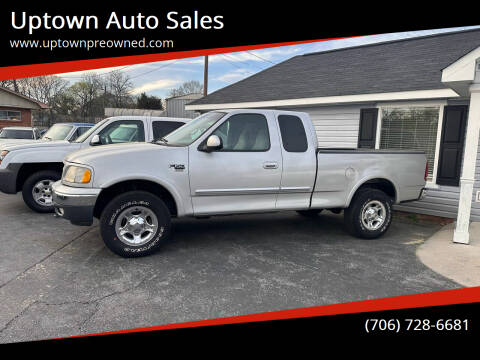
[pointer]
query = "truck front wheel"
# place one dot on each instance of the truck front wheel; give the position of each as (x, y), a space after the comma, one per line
(37, 190)
(369, 214)
(135, 224)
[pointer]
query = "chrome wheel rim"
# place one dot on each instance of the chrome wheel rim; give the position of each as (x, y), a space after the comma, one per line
(373, 215)
(136, 225)
(42, 193)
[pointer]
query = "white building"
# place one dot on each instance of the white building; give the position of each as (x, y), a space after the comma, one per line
(421, 93)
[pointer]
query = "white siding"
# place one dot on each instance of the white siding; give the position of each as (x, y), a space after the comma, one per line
(444, 200)
(336, 126)
(475, 215)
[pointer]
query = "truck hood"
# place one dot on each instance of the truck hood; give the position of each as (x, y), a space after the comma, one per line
(15, 141)
(32, 144)
(98, 155)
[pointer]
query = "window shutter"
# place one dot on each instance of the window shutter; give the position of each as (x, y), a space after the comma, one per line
(451, 145)
(367, 133)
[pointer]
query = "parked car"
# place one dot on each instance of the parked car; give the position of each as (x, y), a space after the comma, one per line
(231, 162)
(33, 167)
(66, 131)
(15, 133)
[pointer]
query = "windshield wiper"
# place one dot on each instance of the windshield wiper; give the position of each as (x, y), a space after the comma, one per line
(48, 138)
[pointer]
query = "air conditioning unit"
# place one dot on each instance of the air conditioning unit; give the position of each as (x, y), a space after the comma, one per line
(477, 199)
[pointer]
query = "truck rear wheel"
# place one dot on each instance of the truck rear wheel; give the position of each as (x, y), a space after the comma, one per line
(37, 190)
(135, 224)
(369, 214)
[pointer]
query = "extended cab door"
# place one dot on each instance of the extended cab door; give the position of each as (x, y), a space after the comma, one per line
(299, 153)
(245, 174)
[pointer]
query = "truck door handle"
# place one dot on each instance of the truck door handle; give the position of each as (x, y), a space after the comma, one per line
(270, 165)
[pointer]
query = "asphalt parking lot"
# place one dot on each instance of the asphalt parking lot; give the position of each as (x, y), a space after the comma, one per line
(59, 280)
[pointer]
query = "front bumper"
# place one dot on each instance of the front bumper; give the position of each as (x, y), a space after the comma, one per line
(8, 178)
(74, 204)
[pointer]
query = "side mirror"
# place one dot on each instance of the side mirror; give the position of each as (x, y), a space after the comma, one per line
(95, 140)
(214, 143)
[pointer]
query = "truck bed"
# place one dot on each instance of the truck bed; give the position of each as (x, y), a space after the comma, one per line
(340, 171)
(367, 151)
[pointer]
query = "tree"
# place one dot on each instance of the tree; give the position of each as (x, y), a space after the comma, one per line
(7, 84)
(119, 86)
(45, 89)
(189, 87)
(86, 96)
(149, 102)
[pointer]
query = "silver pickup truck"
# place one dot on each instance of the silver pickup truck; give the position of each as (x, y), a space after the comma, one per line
(231, 162)
(33, 167)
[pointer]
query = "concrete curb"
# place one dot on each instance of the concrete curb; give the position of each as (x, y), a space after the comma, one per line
(457, 262)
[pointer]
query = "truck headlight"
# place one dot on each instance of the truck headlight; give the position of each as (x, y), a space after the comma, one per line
(3, 154)
(77, 175)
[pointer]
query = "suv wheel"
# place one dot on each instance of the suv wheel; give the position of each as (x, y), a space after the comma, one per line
(37, 190)
(369, 214)
(135, 224)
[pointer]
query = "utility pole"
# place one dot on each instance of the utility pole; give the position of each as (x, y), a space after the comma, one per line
(205, 77)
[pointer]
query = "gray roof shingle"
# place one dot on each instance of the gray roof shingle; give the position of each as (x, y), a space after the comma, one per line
(401, 65)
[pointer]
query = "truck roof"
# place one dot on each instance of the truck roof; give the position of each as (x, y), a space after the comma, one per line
(75, 124)
(152, 118)
(17, 128)
(261, 111)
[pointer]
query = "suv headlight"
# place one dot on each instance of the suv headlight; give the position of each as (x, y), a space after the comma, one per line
(77, 175)
(3, 154)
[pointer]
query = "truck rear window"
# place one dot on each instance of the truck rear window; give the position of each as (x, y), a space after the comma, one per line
(294, 138)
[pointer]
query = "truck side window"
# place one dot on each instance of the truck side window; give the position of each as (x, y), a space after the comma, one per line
(163, 128)
(244, 132)
(123, 131)
(294, 138)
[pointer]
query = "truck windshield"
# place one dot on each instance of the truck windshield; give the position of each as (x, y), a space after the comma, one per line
(190, 132)
(57, 132)
(93, 129)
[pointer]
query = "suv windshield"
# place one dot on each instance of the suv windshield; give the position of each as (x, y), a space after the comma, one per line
(190, 132)
(16, 134)
(57, 132)
(85, 135)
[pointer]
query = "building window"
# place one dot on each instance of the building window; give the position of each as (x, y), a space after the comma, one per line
(10, 115)
(411, 128)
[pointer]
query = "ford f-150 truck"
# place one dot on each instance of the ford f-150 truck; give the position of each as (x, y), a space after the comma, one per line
(33, 167)
(231, 162)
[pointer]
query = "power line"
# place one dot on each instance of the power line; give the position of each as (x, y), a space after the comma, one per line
(242, 61)
(237, 66)
(261, 58)
(150, 71)
(132, 77)
(101, 74)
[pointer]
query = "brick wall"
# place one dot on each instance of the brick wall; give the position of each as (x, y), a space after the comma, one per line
(26, 118)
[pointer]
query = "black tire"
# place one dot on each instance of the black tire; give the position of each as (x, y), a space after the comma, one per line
(132, 201)
(28, 188)
(309, 213)
(359, 203)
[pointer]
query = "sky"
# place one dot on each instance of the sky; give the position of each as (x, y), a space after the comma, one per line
(158, 78)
